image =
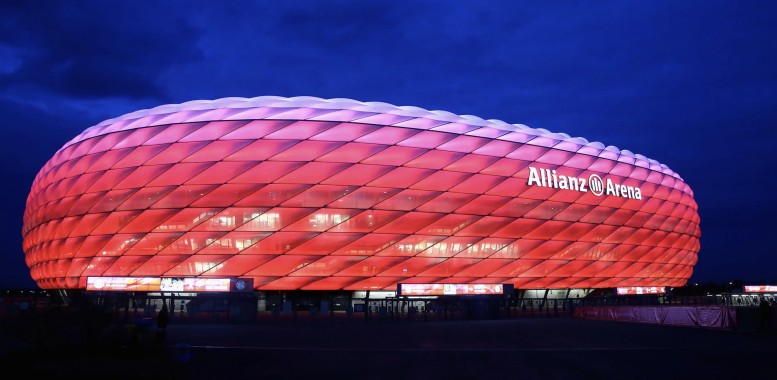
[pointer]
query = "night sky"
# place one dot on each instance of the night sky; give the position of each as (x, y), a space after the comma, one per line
(692, 84)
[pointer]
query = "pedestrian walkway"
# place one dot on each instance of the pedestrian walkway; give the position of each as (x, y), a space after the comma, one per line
(558, 348)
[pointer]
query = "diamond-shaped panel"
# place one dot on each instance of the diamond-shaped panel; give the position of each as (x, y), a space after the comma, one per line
(307, 193)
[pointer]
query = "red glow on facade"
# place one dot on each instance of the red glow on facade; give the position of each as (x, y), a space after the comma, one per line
(315, 194)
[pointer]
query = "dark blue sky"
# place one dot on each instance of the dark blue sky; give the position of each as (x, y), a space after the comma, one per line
(692, 84)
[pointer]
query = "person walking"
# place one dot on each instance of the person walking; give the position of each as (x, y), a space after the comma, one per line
(766, 314)
(162, 319)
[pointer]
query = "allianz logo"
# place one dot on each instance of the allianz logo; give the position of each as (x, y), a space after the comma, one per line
(594, 184)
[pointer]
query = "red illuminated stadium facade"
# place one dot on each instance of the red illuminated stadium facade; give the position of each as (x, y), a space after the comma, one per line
(335, 194)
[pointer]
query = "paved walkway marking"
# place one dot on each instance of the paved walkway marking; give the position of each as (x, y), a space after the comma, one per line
(210, 347)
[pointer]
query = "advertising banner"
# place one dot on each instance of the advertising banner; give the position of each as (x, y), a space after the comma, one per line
(719, 317)
(170, 284)
(760, 288)
(124, 284)
(449, 289)
(631, 290)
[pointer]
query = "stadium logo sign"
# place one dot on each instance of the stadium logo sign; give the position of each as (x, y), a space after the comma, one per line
(594, 184)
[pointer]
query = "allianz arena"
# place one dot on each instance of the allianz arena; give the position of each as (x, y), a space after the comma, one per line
(306, 193)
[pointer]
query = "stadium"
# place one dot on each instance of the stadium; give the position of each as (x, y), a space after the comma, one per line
(311, 194)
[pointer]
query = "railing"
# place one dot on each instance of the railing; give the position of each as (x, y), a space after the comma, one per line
(256, 307)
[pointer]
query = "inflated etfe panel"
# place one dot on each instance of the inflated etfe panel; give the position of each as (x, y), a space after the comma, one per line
(325, 194)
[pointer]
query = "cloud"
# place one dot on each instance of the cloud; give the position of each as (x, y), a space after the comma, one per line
(96, 49)
(691, 84)
(336, 25)
(32, 136)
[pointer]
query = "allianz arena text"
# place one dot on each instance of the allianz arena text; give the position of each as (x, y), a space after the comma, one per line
(336, 194)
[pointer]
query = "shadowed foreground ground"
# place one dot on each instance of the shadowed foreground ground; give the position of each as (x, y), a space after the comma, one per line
(551, 348)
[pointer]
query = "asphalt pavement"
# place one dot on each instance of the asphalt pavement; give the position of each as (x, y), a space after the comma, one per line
(526, 348)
